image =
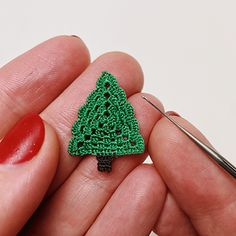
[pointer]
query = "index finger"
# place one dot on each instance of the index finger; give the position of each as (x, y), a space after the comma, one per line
(33, 80)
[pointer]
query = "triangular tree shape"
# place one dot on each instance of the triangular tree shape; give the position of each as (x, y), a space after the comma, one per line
(106, 126)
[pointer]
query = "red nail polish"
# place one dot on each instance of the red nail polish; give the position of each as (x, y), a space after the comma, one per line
(23, 141)
(172, 113)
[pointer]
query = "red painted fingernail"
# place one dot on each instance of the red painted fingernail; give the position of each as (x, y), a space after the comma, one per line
(172, 113)
(23, 141)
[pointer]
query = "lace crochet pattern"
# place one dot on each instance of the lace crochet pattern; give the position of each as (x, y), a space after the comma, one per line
(106, 126)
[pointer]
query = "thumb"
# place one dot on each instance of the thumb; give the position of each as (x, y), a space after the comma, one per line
(202, 189)
(28, 161)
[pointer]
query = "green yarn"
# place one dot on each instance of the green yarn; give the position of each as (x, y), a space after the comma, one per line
(106, 125)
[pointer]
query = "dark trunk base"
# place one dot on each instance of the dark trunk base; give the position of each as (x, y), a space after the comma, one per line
(104, 163)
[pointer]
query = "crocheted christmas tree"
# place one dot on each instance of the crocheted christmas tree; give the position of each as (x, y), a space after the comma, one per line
(106, 126)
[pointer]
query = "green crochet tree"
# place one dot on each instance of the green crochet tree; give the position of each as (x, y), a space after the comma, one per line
(106, 126)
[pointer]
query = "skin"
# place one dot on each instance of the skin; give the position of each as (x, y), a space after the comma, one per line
(181, 193)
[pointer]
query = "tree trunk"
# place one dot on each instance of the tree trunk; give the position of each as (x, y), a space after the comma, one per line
(104, 163)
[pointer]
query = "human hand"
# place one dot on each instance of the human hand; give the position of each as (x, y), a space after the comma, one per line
(54, 80)
(49, 80)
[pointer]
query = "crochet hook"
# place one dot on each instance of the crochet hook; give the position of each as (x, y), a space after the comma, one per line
(213, 154)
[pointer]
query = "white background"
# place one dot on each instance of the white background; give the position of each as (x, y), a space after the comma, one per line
(187, 49)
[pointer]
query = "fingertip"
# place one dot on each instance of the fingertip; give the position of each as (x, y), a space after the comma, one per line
(168, 138)
(70, 45)
(169, 148)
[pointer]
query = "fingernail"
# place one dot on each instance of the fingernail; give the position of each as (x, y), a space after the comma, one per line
(23, 141)
(73, 35)
(172, 113)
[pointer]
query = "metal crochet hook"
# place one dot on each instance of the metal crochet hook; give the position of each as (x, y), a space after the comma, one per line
(230, 168)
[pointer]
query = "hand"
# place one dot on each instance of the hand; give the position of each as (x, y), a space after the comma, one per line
(54, 80)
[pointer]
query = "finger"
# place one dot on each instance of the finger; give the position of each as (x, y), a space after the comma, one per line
(62, 113)
(134, 207)
(28, 152)
(31, 81)
(201, 188)
(88, 190)
(173, 221)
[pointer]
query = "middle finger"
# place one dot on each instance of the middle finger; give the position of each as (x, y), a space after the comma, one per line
(63, 111)
(75, 206)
